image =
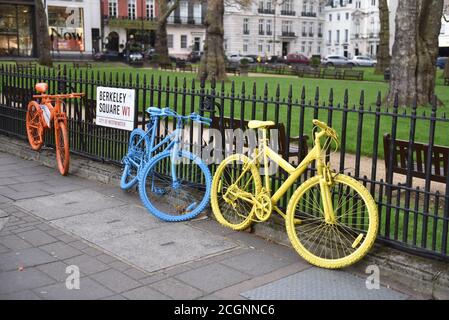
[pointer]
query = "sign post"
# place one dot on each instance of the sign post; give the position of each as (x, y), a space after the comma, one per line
(115, 108)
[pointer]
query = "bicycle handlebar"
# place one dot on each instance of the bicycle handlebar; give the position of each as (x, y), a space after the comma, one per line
(320, 124)
(59, 96)
(158, 112)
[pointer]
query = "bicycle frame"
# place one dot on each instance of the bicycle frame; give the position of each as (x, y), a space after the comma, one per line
(294, 173)
(173, 140)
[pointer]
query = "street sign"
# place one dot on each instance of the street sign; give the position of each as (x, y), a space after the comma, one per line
(115, 108)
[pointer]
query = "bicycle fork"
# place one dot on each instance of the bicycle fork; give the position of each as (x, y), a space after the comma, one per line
(326, 196)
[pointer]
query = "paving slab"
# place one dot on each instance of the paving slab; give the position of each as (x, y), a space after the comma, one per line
(89, 290)
(115, 280)
(319, 284)
(255, 262)
(21, 295)
(14, 281)
(212, 277)
(37, 237)
(144, 293)
(166, 246)
(68, 204)
(24, 258)
(109, 223)
(177, 289)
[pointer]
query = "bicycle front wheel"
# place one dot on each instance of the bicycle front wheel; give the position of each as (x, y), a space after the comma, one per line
(235, 176)
(138, 147)
(62, 148)
(35, 129)
(336, 244)
(176, 199)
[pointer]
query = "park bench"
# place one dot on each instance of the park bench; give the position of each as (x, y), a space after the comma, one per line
(182, 65)
(440, 159)
(233, 68)
(353, 75)
(14, 94)
(26, 66)
(331, 74)
(298, 145)
(308, 73)
(82, 64)
(167, 66)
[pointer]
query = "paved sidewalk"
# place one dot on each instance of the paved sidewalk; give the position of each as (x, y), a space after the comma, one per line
(49, 222)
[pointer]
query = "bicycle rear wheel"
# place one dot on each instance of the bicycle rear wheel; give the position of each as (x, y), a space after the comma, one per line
(62, 148)
(34, 126)
(230, 210)
(332, 245)
(180, 200)
(137, 148)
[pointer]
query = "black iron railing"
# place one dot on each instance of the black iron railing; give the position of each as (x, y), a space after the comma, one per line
(414, 212)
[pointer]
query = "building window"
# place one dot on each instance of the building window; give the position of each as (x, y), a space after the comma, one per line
(170, 41)
(132, 9)
(268, 27)
(150, 9)
(245, 26)
(245, 46)
(183, 41)
(112, 8)
(260, 47)
(261, 24)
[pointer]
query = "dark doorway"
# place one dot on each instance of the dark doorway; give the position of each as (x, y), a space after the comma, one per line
(356, 53)
(113, 41)
(285, 47)
(95, 39)
(196, 44)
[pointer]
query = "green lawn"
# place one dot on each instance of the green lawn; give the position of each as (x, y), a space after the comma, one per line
(370, 87)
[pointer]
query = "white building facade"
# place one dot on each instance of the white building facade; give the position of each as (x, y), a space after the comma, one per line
(351, 28)
(74, 26)
(270, 29)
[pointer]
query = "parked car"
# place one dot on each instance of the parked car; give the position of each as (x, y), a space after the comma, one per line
(194, 56)
(276, 59)
(295, 58)
(252, 57)
(239, 57)
(335, 61)
(362, 61)
(441, 62)
(149, 53)
(135, 57)
(107, 56)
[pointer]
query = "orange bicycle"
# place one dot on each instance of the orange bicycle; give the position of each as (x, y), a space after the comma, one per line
(39, 117)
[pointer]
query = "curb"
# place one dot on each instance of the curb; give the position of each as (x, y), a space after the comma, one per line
(425, 276)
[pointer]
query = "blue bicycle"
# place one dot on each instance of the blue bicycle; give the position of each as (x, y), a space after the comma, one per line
(174, 184)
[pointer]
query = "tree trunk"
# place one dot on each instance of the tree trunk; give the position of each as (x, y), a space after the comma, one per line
(43, 41)
(161, 42)
(415, 50)
(383, 56)
(213, 60)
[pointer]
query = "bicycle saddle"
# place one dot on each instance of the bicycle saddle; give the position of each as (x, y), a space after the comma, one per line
(255, 124)
(41, 87)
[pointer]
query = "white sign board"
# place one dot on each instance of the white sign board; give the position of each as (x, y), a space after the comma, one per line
(115, 108)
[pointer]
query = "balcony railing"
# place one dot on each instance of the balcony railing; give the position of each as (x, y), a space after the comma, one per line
(288, 13)
(320, 35)
(288, 34)
(265, 11)
(261, 32)
(127, 23)
(308, 14)
(245, 31)
(269, 33)
(311, 34)
(304, 34)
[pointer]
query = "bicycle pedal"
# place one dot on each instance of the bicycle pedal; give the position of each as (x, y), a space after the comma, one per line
(297, 221)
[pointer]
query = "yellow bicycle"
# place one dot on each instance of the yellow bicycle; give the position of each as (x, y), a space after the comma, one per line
(331, 219)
